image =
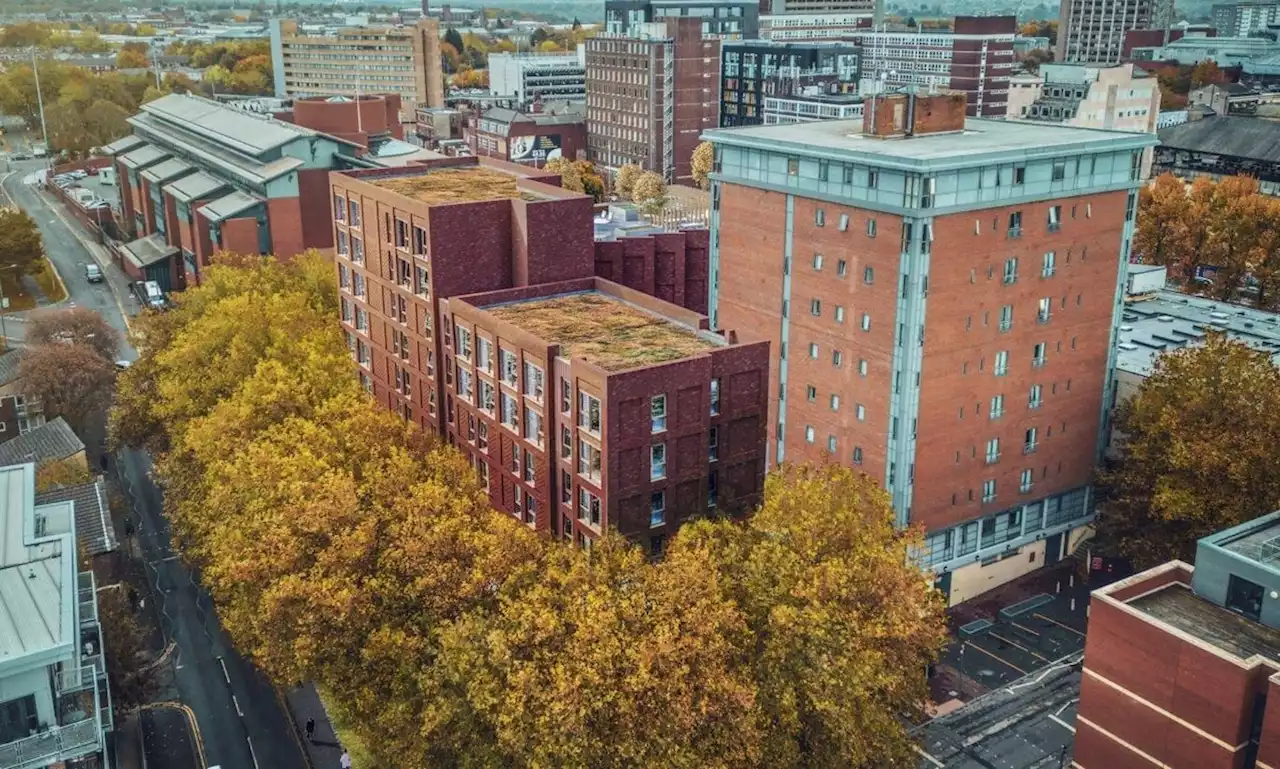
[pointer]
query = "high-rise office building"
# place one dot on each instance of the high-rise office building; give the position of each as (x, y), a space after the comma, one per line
(1092, 31)
(728, 19)
(1242, 19)
(752, 70)
(942, 297)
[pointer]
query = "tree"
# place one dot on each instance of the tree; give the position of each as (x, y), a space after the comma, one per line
(21, 246)
(450, 58)
(570, 178)
(132, 682)
(131, 59)
(74, 325)
(649, 190)
(1034, 58)
(625, 179)
(1199, 451)
(454, 38)
(704, 156)
(71, 380)
(1207, 72)
(1160, 234)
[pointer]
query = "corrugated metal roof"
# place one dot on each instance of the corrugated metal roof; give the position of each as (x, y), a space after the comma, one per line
(93, 514)
(228, 206)
(194, 186)
(120, 146)
(209, 152)
(244, 131)
(1243, 137)
(169, 169)
(47, 443)
(144, 156)
(148, 250)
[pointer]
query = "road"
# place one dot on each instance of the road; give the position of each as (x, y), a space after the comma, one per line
(241, 722)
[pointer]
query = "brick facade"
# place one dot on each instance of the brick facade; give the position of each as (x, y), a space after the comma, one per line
(671, 265)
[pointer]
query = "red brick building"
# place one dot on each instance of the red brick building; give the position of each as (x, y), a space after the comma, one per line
(671, 266)
(650, 95)
(422, 251)
(369, 120)
(1182, 663)
(942, 297)
(528, 139)
(198, 177)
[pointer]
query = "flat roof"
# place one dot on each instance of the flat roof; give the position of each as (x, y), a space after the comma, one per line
(1170, 320)
(1176, 605)
(1257, 540)
(453, 185)
(31, 572)
(193, 186)
(979, 137)
(604, 330)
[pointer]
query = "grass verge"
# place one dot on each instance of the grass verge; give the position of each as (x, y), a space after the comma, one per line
(50, 282)
(360, 756)
(11, 285)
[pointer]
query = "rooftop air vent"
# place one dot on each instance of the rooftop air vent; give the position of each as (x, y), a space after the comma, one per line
(1165, 318)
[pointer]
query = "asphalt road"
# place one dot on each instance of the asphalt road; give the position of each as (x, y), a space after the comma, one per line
(241, 722)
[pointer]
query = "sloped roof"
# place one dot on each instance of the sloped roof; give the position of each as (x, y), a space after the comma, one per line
(93, 514)
(148, 250)
(123, 145)
(48, 443)
(9, 366)
(1242, 137)
(194, 186)
(229, 205)
(169, 169)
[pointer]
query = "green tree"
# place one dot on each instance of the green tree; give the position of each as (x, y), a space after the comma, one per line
(703, 160)
(1199, 441)
(454, 38)
(21, 246)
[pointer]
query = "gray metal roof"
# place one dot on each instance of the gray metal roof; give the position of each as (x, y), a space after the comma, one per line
(122, 145)
(210, 153)
(194, 186)
(148, 250)
(229, 205)
(1170, 320)
(9, 366)
(50, 442)
(1242, 137)
(144, 156)
(93, 514)
(169, 169)
(504, 115)
(36, 591)
(243, 131)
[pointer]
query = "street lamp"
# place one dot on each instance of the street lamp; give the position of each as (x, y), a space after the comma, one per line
(35, 71)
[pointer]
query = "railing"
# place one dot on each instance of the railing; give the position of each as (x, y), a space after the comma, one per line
(56, 744)
(88, 596)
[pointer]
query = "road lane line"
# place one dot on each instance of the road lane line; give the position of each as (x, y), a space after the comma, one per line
(236, 702)
(225, 675)
(997, 658)
(929, 758)
(1062, 723)
(1059, 624)
(252, 753)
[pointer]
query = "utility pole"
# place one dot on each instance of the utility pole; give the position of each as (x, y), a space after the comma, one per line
(44, 129)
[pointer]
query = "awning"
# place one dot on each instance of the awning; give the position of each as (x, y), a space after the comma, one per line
(229, 205)
(147, 251)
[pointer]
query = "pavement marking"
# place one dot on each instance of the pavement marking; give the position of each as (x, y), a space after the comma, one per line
(1059, 624)
(225, 675)
(1017, 645)
(197, 743)
(1062, 723)
(997, 658)
(929, 758)
(236, 702)
(252, 753)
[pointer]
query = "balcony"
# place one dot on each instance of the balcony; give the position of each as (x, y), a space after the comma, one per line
(57, 744)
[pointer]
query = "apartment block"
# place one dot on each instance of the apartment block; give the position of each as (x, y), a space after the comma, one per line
(815, 26)
(1093, 31)
(530, 77)
(792, 7)
(942, 297)
(531, 139)
(807, 107)
(668, 264)
(1120, 97)
(975, 58)
(197, 177)
(55, 704)
(1242, 19)
(423, 252)
(753, 70)
(1182, 661)
(357, 60)
(727, 19)
(650, 95)
(587, 406)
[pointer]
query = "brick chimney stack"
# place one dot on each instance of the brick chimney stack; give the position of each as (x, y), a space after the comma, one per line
(898, 115)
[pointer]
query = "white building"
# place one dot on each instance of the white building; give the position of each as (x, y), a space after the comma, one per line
(525, 77)
(814, 26)
(806, 108)
(54, 701)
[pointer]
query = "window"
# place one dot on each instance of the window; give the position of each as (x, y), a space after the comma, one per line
(866, 322)
(988, 490)
(817, 262)
(824, 170)
(871, 228)
(657, 461)
(507, 366)
(484, 354)
(402, 234)
(1037, 354)
(837, 358)
(1002, 363)
(1033, 400)
(1045, 310)
(873, 179)
(534, 381)
(862, 367)
(848, 175)
(857, 455)
(1029, 442)
(1059, 170)
(844, 222)
(831, 444)
(533, 427)
(1019, 174)
(462, 342)
(839, 314)
(1027, 480)
(344, 243)
(993, 451)
(1050, 264)
(811, 393)
(419, 240)
(486, 396)
(815, 307)
(813, 350)
(589, 413)
(1011, 270)
(793, 166)
(510, 414)
(339, 208)
(835, 402)
(819, 217)
(715, 397)
(842, 268)
(529, 473)
(1130, 207)
(588, 461)
(713, 490)
(809, 434)
(1015, 224)
(658, 413)
(861, 412)
(713, 443)
(566, 489)
(868, 275)
(354, 208)
(1055, 218)
(566, 396)
(1006, 317)
(997, 406)
(657, 508)
(588, 508)
(464, 383)
(344, 277)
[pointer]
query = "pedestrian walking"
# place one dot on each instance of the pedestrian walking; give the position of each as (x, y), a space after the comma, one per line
(345, 761)
(311, 730)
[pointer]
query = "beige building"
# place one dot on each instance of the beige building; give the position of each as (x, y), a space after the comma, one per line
(1093, 30)
(1118, 98)
(360, 60)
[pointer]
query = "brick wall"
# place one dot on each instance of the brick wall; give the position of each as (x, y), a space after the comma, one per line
(671, 265)
(240, 236)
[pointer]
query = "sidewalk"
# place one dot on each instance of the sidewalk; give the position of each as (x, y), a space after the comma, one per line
(305, 703)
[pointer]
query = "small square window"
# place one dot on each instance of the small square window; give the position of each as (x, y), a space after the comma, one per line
(817, 262)
(868, 275)
(819, 217)
(871, 228)
(813, 350)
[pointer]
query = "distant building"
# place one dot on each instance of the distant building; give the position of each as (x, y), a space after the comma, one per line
(1182, 661)
(807, 107)
(1218, 146)
(1241, 19)
(1092, 31)
(727, 19)
(651, 95)
(1023, 45)
(753, 70)
(529, 77)
(1150, 38)
(975, 57)
(1119, 97)
(369, 121)
(359, 60)
(57, 703)
(439, 124)
(529, 139)
(1223, 51)
(1232, 99)
(815, 26)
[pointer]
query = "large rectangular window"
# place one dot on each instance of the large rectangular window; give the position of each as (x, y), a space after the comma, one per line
(589, 413)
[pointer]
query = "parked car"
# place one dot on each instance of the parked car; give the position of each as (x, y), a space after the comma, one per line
(93, 273)
(77, 174)
(149, 294)
(20, 156)
(122, 365)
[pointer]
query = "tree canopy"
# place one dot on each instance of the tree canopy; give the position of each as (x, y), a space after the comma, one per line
(703, 159)
(21, 245)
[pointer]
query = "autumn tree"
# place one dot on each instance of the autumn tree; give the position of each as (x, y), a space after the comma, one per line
(1207, 72)
(133, 682)
(21, 246)
(1159, 237)
(70, 380)
(1036, 57)
(703, 159)
(131, 58)
(1199, 441)
(648, 188)
(625, 179)
(73, 325)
